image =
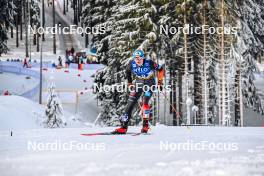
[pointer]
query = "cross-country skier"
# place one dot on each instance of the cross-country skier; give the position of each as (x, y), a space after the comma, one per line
(142, 71)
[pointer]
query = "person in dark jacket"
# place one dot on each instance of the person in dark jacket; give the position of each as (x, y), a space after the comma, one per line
(143, 70)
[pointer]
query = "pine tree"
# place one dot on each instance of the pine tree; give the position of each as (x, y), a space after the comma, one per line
(54, 111)
(34, 18)
(6, 21)
(207, 65)
(132, 27)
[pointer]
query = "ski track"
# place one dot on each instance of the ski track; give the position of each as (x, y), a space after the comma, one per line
(133, 155)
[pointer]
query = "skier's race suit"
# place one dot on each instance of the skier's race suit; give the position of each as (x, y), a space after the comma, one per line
(144, 76)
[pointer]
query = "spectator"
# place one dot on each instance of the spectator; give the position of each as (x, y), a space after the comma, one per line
(72, 50)
(53, 64)
(67, 53)
(80, 63)
(25, 63)
(60, 62)
(70, 58)
(67, 63)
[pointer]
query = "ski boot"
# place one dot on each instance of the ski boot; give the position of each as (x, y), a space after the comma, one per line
(146, 114)
(121, 130)
(145, 127)
(124, 124)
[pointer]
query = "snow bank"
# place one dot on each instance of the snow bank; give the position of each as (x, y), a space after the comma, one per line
(19, 113)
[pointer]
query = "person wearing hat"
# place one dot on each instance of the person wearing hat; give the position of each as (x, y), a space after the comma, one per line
(143, 71)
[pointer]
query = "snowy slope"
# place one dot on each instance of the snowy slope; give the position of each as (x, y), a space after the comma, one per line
(19, 113)
(72, 80)
(133, 155)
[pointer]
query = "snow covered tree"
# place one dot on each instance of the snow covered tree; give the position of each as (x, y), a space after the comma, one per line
(131, 27)
(210, 66)
(6, 21)
(250, 42)
(34, 18)
(54, 111)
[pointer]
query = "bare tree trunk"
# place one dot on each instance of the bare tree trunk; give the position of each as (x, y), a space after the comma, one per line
(64, 9)
(180, 95)
(74, 12)
(12, 32)
(237, 103)
(80, 9)
(171, 97)
(174, 100)
(34, 39)
(186, 63)
(43, 19)
(197, 92)
(17, 40)
(53, 22)
(86, 40)
(205, 42)
(222, 67)
(38, 36)
(26, 31)
(21, 22)
(77, 10)
(238, 98)
(67, 4)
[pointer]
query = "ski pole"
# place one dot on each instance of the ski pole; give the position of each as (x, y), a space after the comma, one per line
(173, 108)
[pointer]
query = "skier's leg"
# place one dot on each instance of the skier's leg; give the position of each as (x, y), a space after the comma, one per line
(133, 97)
(146, 111)
(132, 101)
(146, 107)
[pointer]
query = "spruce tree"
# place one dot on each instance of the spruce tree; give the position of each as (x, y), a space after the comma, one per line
(54, 111)
(6, 21)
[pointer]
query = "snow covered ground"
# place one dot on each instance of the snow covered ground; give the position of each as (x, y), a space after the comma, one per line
(17, 112)
(133, 155)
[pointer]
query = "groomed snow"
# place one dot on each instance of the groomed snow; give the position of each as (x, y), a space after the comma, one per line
(133, 155)
(19, 113)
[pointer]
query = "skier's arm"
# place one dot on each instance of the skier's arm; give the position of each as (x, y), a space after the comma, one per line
(160, 71)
